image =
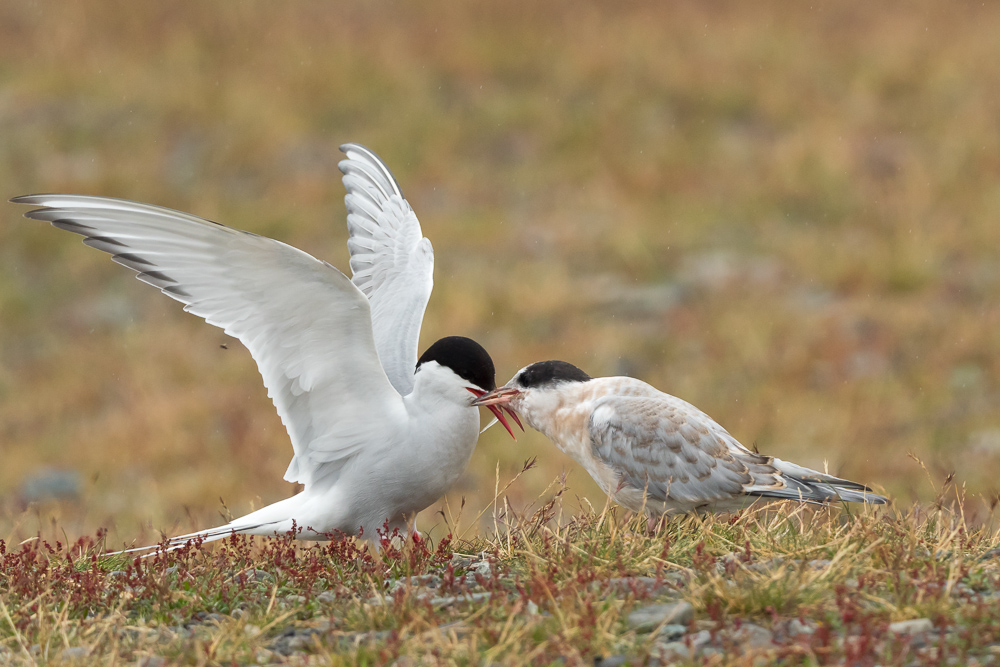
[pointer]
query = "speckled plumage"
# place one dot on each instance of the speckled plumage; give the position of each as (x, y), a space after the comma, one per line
(656, 453)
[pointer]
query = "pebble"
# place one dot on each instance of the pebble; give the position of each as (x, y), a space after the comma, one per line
(638, 585)
(51, 484)
(611, 661)
(797, 627)
(751, 636)
(254, 575)
(912, 627)
(684, 649)
(73, 653)
(152, 661)
(819, 564)
(454, 599)
(293, 640)
(482, 568)
(992, 553)
(645, 619)
(207, 617)
(671, 632)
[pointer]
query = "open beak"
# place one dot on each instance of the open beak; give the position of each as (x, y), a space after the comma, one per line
(500, 398)
(497, 405)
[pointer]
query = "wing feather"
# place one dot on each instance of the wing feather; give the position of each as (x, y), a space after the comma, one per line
(670, 449)
(677, 454)
(391, 261)
(305, 324)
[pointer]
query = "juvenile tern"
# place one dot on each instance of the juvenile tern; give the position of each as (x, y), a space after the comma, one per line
(655, 453)
(377, 433)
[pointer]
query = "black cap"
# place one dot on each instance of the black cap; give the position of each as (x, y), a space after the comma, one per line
(467, 358)
(544, 373)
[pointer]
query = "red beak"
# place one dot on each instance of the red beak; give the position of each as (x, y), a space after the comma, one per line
(496, 409)
(499, 399)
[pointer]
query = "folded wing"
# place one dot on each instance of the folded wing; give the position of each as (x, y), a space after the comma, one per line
(305, 324)
(391, 261)
(676, 452)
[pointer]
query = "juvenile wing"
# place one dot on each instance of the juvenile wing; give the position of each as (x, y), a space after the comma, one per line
(305, 324)
(672, 450)
(392, 263)
(676, 452)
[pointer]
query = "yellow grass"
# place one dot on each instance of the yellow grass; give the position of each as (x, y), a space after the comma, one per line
(784, 213)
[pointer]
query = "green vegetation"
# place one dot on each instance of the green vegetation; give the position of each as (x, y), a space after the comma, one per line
(785, 213)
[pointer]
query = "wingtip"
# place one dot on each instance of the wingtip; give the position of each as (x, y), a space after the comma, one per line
(25, 199)
(352, 146)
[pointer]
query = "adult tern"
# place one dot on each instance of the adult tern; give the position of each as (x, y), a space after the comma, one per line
(378, 434)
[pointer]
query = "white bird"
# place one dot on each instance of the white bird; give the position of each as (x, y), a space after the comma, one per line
(377, 434)
(655, 453)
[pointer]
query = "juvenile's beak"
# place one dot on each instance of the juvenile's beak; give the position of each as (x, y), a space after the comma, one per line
(496, 410)
(500, 398)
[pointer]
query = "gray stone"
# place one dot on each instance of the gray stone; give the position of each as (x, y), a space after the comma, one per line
(482, 568)
(685, 649)
(422, 581)
(151, 661)
(610, 661)
(992, 553)
(765, 566)
(797, 627)
(326, 597)
(74, 653)
(459, 561)
(645, 619)
(639, 585)
(51, 484)
(671, 632)
(254, 576)
(751, 636)
(293, 640)
(911, 627)
(455, 599)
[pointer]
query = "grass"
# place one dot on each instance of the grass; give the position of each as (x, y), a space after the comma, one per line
(538, 591)
(782, 212)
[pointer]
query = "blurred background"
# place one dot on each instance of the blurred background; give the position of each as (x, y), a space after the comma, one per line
(786, 214)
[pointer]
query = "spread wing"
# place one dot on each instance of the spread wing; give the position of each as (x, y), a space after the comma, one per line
(391, 261)
(673, 450)
(305, 324)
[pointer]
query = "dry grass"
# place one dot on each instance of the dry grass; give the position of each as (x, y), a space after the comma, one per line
(538, 591)
(784, 213)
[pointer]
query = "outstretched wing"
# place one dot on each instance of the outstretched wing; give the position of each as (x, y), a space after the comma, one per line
(391, 261)
(305, 324)
(673, 451)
